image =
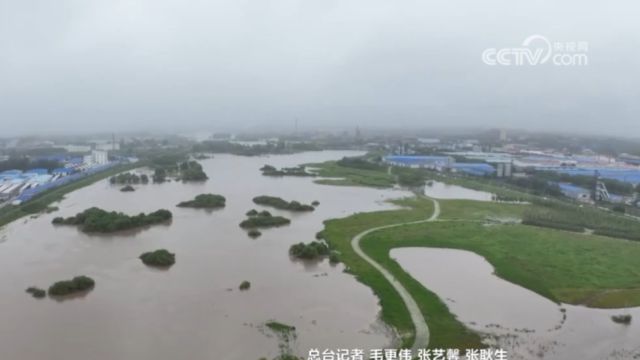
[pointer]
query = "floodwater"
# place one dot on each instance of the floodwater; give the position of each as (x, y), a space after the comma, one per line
(193, 310)
(440, 190)
(524, 323)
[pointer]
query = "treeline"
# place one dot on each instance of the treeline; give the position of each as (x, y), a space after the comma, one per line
(192, 171)
(129, 178)
(281, 204)
(280, 147)
(568, 217)
(269, 170)
(206, 201)
(536, 186)
(360, 163)
(98, 220)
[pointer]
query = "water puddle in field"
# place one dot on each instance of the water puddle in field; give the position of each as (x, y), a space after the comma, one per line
(440, 190)
(524, 323)
(193, 310)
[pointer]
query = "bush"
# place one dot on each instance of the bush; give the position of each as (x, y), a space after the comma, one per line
(36, 292)
(127, 188)
(76, 285)
(207, 201)
(158, 258)
(254, 233)
(192, 171)
(279, 203)
(264, 221)
(310, 251)
(245, 285)
(621, 319)
(97, 220)
(315, 203)
(252, 212)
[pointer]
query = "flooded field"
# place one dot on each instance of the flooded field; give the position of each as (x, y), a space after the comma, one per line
(440, 190)
(193, 310)
(526, 324)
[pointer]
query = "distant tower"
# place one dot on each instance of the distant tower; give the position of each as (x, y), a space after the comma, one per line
(503, 135)
(600, 192)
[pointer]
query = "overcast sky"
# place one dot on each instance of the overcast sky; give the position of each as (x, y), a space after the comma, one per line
(114, 65)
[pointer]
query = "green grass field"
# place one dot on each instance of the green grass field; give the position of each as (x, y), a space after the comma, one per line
(347, 176)
(563, 266)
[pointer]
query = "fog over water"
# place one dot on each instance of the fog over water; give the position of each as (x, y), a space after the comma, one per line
(79, 66)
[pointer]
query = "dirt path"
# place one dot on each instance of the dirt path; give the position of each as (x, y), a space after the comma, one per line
(420, 325)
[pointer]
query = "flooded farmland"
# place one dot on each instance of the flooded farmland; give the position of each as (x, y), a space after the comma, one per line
(526, 324)
(440, 190)
(193, 310)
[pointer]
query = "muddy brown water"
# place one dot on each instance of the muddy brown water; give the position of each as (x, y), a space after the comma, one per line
(193, 310)
(524, 323)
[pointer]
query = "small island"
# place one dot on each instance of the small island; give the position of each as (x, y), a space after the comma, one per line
(311, 251)
(245, 285)
(127, 188)
(36, 292)
(76, 285)
(264, 219)
(101, 221)
(159, 258)
(205, 201)
(281, 204)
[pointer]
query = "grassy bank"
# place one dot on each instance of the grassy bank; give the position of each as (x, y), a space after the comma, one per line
(446, 331)
(562, 266)
(348, 176)
(38, 204)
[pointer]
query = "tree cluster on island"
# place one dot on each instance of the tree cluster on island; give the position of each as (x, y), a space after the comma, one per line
(192, 171)
(310, 251)
(205, 201)
(36, 292)
(263, 219)
(129, 178)
(158, 258)
(68, 287)
(98, 220)
(269, 170)
(245, 285)
(281, 204)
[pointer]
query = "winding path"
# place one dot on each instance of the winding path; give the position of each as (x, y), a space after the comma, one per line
(419, 323)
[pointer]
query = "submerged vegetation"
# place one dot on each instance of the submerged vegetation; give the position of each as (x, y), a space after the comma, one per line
(281, 204)
(97, 220)
(129, 178)
(127, 188)
(158, 258)
(254, 233)
(36, 292)
(76, 285)
(621, 319)
(245, 285)
(269, 170)
(310, 251)
(264, 219)
(207, 201)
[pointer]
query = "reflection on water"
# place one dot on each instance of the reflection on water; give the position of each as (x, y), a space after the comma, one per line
(526, 324)
(440, 190)
(193, 310)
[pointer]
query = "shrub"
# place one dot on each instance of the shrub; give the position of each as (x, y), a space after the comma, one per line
(254, 233)
(279, 203)
(127, 188)
(158, 258)
(252, 212)
(245, 285)
(36, 292)
(621, 319)
(315, 203)
(76, 285)
(208, 201)
(310, 251)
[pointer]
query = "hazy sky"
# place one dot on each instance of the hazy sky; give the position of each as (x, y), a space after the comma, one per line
(114, 65)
